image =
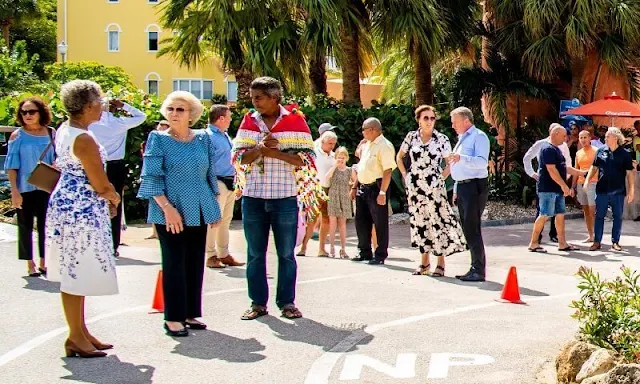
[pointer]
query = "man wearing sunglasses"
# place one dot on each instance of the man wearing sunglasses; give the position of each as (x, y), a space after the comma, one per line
(111, 133)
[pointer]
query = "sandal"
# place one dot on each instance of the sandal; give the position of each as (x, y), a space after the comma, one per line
(569, 248)
(291, 312)
(323, 254)
(422, 270)
(537, 249)
(436, 272)
(254, 312)
(343, 254)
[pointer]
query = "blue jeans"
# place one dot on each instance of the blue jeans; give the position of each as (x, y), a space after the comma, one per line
(258, 216)
(616, 200)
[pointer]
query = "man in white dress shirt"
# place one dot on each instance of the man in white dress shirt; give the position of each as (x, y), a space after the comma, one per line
(111, 132)
(534, 153)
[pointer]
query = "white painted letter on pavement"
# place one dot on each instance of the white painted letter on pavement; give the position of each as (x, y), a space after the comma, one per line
(440, 362)
(405, 367)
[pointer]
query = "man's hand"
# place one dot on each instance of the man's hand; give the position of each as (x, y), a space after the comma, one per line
(630, 197)
(352, 194)
(455, 198)
(536, 176)
(270, 142)
(381, 200)
(566, 190)
(116, 103)
(453, 158)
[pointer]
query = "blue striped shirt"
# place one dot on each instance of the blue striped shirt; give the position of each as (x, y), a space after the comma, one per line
(473, 148)
(221, 144)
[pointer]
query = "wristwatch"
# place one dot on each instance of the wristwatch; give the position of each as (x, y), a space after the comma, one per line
(382, 193)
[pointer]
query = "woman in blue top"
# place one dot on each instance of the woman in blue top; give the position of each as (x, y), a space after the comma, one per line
(25, 147)
(178, 178)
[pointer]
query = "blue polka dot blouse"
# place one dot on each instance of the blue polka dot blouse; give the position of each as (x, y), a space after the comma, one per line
(183, 172)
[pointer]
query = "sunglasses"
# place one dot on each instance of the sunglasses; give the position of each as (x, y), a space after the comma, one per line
(366, 128)
(178, 110)
(31, 112)
(429, 118)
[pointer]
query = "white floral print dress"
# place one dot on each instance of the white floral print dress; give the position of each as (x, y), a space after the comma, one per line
(78, 244)
(434, 227)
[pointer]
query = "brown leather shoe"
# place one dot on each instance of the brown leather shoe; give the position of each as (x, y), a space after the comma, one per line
(595, 247)
(230, 261)
(214, 262)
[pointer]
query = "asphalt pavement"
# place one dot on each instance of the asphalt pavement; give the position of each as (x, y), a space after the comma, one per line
(362, 324)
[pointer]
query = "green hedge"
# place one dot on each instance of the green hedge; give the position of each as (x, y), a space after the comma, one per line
(397, 120)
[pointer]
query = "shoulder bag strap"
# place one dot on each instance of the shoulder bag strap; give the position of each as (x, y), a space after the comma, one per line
(44, 153)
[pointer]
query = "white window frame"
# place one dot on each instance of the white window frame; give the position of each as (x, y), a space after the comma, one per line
(228, 82)
(153, 76)
(113, 27)
(179, 79)
(153, 28)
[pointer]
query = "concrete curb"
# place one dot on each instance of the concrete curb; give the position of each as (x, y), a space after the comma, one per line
(525, 220)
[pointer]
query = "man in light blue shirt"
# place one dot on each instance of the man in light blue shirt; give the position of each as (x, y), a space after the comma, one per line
(111, 133)
(469, 169)
(217, 249)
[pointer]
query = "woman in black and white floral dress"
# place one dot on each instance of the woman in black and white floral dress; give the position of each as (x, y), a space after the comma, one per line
(434, 227)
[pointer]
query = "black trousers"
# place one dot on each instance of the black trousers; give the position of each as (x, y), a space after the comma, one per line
(370, 214)
(117, 173)
(34, 205)
(182, 271)
(472, 198)
(552, 231)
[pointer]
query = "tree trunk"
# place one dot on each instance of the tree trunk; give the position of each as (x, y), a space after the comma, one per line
(244, 79)
(596, 78)
(350, 66)
(422, 69)
(318, 74)
(578, 88)
(5, 31)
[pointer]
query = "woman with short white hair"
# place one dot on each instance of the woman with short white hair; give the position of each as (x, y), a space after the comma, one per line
(179, 179)
(614, 166)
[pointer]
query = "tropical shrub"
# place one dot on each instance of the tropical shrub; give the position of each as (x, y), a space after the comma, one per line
(609, 311)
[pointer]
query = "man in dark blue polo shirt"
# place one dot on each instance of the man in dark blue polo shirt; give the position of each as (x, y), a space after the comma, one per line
(552, 189)
(615, 167)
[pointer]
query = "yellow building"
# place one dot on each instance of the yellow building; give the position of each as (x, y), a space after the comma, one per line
(126, 33)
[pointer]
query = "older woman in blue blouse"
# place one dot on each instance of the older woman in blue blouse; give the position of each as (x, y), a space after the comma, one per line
(178, 178)
(25, 147)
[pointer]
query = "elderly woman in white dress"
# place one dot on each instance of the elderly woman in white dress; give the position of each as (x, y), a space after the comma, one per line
(78, 217)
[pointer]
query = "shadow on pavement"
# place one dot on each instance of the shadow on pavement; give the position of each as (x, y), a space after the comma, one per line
(233, 272)
(107, 370)
(311, 332)
(209, 345)
(127, 261)
(41, 284)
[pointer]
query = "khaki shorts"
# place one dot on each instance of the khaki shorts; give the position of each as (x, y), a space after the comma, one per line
(587, 196)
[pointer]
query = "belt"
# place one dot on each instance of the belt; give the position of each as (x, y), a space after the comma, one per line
(370, 185)
(223, 178)
(115, 161)
(468, 181)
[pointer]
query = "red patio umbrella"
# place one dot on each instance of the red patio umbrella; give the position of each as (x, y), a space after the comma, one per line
(612, 106)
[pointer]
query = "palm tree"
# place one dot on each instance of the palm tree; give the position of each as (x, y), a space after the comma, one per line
(502, 79)
(12, 11)
(554, 37)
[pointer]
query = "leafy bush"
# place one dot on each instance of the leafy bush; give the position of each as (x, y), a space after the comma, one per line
(609, 311)
(17, 69)
(109, 77)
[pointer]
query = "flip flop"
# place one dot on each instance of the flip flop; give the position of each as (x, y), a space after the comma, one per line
(301, 254)
(569, 249)
(537, 250)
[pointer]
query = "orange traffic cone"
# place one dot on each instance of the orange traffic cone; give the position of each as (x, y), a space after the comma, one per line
(511, 291)
(158, 296)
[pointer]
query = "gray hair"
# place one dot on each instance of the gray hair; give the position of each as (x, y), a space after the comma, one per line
(268, 85)
(554, 126)
(328, 135)
(77, 94)
(373, 123)
(195, 106)
(464, 112)
(618, 133)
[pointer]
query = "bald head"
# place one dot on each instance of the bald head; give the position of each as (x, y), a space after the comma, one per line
(557, 134)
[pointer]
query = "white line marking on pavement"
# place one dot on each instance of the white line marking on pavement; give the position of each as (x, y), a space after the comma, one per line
(39, 340)
(323, 366)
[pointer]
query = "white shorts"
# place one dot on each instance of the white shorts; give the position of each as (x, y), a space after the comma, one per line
(587, 196)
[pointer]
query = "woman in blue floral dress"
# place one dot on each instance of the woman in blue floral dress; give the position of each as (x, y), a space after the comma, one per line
(78, 218)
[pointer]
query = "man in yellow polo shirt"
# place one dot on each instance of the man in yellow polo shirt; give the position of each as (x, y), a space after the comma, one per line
(377, 161)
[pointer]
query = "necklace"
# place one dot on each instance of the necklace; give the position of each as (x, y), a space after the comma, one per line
(181, 138)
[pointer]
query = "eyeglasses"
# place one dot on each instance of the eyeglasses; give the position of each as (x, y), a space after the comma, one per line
(31, 112)
(365, 128)
(178, 110)
(429, 118)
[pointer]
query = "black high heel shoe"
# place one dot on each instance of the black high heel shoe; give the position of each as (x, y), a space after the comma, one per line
(197, 326)
(181, 333)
